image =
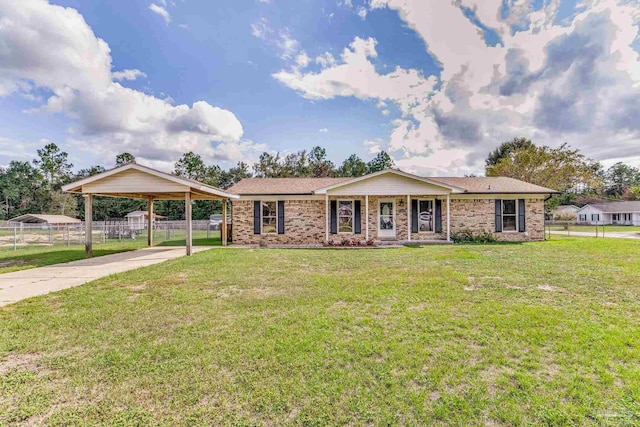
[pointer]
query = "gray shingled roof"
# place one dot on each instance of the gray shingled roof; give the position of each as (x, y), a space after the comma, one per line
(476, 185)
(624, 206)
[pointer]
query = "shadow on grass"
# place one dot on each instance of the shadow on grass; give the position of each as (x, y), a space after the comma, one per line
(417, 245)
(196, 242)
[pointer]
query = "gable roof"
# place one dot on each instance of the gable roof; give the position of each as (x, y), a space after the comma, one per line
(469, 185)
(494, 185)
(285, 186)
(143, 213)
(45, 218)
(199, 187)
(398, 172)
(624, 206)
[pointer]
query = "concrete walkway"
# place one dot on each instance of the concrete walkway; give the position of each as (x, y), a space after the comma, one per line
(23, 284)
(607, 234)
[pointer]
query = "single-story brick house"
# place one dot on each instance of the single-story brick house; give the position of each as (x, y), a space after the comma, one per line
(387, 205)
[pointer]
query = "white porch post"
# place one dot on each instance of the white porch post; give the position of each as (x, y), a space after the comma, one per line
(326, 198)
(448, 219)
(366, 216)
(223, 226)
(88, 223)
(409, 217)
(150, 221)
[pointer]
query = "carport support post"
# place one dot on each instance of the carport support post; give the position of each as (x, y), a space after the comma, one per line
(223, 228)
(88, 221)
(187, 217)
(150, 221)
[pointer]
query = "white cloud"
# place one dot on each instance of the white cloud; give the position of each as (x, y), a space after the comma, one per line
(324, 130)
(48, 46)
(128, 75)
(578, 81)
(260, 28)
(362, 12)
(373, 146)
(161, 11)
(302, 60)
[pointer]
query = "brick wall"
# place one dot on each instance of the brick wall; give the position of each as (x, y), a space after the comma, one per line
(479, 215)
(305, 220)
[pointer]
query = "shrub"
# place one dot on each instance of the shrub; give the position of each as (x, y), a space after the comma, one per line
(468, 236)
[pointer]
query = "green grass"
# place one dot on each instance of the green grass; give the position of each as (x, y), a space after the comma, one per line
(592, 228)
(31, 256)
(523, 334)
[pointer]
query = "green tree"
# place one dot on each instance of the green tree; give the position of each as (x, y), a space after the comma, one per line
(319, 165)
(125, 158)
(380, 162)
(506, 148)
(353, 166)
(54, 165)
(234, 175)
(24, 190)
(620, 177)
(62, 203)
(296, 165)
(268, 166)
(561, 168)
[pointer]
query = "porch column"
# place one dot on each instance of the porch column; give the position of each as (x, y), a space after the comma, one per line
(448, 219)
(88, 223)
(223, 228)
(409, 216)
(150, 221)
(366, 216)
(326, 214)
(187, 217)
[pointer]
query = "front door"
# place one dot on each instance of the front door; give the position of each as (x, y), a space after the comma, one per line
(386, 220)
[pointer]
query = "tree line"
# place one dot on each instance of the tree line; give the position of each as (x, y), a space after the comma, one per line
(35, 187)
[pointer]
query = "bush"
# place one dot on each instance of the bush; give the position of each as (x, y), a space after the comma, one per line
(468, 236)
(349, 242)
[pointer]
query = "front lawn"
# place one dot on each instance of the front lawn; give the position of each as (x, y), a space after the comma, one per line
(514, 334)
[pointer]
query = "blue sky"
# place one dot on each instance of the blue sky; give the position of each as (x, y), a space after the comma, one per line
(437, 84)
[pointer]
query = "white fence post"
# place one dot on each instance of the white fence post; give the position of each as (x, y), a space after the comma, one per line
(15, 238)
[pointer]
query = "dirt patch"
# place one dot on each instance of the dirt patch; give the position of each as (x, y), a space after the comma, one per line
(138, 287)
(421, 306)
(27, 362)
(12, 263)
(549, 288)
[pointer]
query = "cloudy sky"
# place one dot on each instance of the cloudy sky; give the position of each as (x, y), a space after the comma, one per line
(436, 83)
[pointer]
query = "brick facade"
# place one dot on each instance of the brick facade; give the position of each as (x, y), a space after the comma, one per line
(305, 220)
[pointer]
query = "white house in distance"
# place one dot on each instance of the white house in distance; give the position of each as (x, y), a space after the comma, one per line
(566, 210)
(137, 220)
(622, 213)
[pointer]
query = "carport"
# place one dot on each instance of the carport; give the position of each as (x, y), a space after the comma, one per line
(140, 182)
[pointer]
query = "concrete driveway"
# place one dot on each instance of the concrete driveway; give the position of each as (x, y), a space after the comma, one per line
(23, 284)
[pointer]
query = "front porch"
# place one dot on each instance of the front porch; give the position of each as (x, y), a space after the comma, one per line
(388, 219)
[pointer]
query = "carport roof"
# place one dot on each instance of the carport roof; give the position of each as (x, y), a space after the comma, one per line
(45, 218)
(137, 181)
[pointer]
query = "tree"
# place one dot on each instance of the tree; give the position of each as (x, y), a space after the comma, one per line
(296, 165)
(561, 168)
(191, 166)
(319, 166)
(234, 175)
(63, 204)
(380, 162)
(268, 166)
(353, 166)
(53, 164)
(506, 148)
(620, 177)
(124, 159)
(23, 189)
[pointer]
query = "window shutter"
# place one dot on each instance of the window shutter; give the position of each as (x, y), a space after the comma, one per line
(521, 216)
(356, 217)
(498, 215)
(334, 217)
(280, 216)
(256, 217)
(414, 215)
(438, 216)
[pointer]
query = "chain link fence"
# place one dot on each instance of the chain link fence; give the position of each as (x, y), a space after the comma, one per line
(589, 229)
(15, 235)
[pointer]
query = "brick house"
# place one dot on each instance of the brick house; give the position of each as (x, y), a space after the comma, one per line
(387, 205)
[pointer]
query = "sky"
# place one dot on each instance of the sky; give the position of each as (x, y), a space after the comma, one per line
(437, 84)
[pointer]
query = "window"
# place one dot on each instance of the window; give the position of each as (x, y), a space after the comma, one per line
(425, 215)
(269, 217)
(583, 217)
(595, 217)
(509, 215)
(345, 216)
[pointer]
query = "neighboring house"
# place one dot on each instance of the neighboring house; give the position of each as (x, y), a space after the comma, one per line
(387, 205)
(137, 220)
(622, 212)
(45, 219)
(565, 210)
